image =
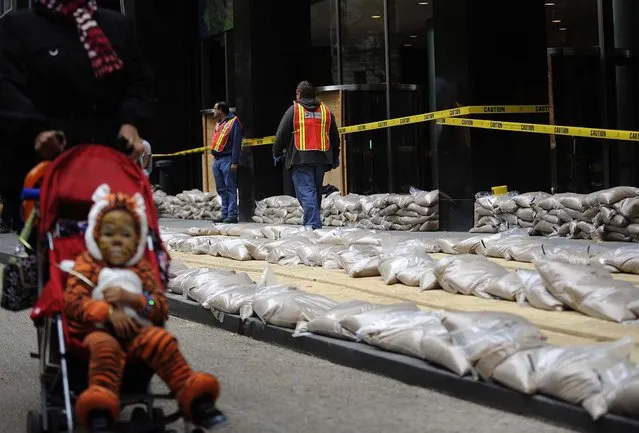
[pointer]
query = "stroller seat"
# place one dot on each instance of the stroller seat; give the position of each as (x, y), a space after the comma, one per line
(64, 203)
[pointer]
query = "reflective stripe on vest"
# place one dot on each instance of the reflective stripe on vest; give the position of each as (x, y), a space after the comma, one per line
(221, 135)
(311, 128)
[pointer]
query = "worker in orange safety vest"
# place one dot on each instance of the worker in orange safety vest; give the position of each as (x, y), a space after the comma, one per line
(308, 139)
(226, 147)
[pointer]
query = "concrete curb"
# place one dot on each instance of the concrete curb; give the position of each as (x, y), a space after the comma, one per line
(409, 370)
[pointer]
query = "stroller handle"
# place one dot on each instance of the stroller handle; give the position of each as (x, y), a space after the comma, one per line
(30, 194)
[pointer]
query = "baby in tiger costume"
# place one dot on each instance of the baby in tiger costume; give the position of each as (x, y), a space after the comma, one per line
(116, 239)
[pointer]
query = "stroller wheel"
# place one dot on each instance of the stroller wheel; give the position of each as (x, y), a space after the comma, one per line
(158, 415)
(34, 422)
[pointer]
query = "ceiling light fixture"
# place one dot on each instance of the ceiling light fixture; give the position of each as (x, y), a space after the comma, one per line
(550, 4)
(376, 17)
(556, 21)
(422, 3)
(413, 36)
(563, 29)
(408, 45)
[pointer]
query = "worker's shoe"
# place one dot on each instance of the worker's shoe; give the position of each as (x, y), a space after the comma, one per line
(230, 221)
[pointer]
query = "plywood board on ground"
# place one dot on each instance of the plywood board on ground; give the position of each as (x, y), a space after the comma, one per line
(561, 327)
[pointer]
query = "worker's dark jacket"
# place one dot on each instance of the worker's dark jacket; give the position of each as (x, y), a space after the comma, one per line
(285, 143)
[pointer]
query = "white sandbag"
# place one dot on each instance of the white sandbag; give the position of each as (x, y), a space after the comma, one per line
(185, 279)
(215, 281)
(328, 324)
(359, 262)
(288, 308)
(507, 287)
(421, 272)
(202, 231)
(625, 400)
(252, 233)
(282, 231)
(488, 338)
(391, 265)
(517, 372)
(175, 267)
(468, 275)
(424, 199)
(535, 293)
(419, 334)
(233, 249)
(285, 254)
(447, 245)
(239, 299)
(355, 322)
(198, 245)
(585, 375)
(525, 251)
(590, 290)
(623, 259)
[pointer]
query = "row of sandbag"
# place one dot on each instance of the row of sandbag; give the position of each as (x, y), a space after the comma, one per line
(416, 211)
(555, 285)
(610, 215)
(499, 347)
(193, 204)
(514, 244)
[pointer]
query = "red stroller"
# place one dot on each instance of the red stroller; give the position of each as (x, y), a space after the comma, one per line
(65, 200)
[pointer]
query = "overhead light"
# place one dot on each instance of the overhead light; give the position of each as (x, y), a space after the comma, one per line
(550, 4)
(413, 36)
(556, 21)
(376, 17)
(563, 28)
(422, 3)
(408, 45)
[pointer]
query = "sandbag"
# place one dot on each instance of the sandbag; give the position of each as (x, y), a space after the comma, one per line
(585, 375)
(468, 275)
(390, 266)
(328, 324)
(175, 267)
(419, 334)
(623, 259)
(517, 372)
(288, 308)
(488, 338)
(215, 281)
(507, 287)
(359, 262)
(590, 290)
(534, 292)
(354, 322)
(185, 279)
(233, 249)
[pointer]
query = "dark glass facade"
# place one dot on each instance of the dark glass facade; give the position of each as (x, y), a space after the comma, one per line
(399, 57)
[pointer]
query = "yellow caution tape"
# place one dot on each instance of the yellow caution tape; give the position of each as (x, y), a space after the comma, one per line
(574, 131)
(400, 121)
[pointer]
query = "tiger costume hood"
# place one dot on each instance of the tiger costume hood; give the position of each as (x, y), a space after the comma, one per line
(105, 201)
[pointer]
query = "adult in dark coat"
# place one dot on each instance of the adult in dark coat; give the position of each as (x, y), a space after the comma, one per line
(70, 73)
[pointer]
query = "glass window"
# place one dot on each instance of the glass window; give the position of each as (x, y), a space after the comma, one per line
(409, 57)
(572, 23)
(362, 39)
(323, 43)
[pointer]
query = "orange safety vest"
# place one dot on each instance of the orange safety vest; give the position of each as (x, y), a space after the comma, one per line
(311, 128)
(221, 135)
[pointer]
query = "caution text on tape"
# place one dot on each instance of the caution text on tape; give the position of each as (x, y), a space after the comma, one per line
(574, 131)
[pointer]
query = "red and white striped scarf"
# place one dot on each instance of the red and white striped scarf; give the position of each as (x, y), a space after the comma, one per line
(104, 59)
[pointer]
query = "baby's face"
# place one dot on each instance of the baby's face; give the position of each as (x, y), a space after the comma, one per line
(118, 239)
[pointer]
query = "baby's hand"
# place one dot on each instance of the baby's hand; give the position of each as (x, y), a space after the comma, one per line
(125, 327)
(114, 294)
